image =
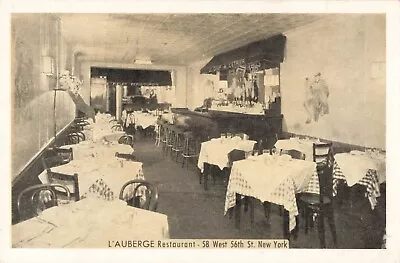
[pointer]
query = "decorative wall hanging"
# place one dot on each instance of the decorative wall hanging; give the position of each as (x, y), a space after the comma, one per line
(316, 98)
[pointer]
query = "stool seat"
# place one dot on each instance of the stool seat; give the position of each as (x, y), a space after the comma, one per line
(191, 148)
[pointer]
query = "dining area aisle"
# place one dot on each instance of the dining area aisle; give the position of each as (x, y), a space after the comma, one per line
(196, 213)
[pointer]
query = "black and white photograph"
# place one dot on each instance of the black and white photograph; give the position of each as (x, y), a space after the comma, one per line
(198, 130)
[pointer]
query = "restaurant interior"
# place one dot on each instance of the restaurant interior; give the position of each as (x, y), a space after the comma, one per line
(198, 126)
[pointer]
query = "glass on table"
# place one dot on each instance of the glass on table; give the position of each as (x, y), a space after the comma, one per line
(228, 135)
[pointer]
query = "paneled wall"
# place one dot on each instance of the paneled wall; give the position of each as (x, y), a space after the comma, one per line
(349, 52)
(33, 37)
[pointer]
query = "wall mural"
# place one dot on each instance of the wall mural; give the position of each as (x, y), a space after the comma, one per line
(316, 94)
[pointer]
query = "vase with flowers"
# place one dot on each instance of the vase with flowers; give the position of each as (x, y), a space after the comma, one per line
(73, 85)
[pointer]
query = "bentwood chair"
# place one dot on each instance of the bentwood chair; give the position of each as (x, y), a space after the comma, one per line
(36, 198)
(147, 201)
(319, 206)
(127, 139)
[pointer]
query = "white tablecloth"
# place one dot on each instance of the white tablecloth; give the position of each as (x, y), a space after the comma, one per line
(89, 223)
(87, 149)
(216, 151)
(100, 177)
(356, 164)
(145, 120)
(275, 179)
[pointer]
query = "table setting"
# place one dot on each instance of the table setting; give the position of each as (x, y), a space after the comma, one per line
(84, 224)
(216, 150)
(273, 178)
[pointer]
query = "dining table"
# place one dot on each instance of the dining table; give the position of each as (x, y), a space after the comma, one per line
(363, 168)
(102, 129)
(102, 177)
(215, 152)
(86, 149)
(366, 168)
(89, 223)
(272, 178)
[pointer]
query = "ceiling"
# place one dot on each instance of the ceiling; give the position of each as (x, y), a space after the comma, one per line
(170, 39)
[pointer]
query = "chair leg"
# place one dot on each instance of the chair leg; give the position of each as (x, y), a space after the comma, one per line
(286, 231)
(251, 200)
(205, 175)
(267, 211)
(306, 217)
(331, 222)
(321, 228)
(246, 203)
(237, 211)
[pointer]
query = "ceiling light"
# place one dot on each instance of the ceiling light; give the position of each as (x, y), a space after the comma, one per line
(143, 62)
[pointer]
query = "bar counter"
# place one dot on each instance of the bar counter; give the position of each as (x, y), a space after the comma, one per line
(213, 123)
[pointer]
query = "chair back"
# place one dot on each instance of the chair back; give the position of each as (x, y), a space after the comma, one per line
(126, 139)
(35, 199)
(126, 156)
(145, 194)
(57, 156)
(236, 155)
(321, 152)
(325, 177)
(242, 135)
(295, 154)
(69, 181)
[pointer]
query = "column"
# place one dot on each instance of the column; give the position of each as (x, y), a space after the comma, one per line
(118, 101)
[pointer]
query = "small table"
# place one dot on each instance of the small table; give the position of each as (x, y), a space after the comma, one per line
(215, 152)
(102, 178)
(367, 169)
(275, 179)
(89, 223)
(87, 149)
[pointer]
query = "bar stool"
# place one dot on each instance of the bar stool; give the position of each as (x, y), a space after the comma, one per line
(177, 144)
(190, 148)
(170, 133)
(164, 136)
(158, 135)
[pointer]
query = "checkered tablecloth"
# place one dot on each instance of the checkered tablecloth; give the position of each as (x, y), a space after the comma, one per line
(370, 180)
(281, 191)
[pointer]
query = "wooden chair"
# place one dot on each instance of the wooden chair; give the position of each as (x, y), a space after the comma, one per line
(321, 152)
(126, 156)
(67, 180)
(321, 205)
(150, 194)
(36, 203)
(58, 156)
(295, 154)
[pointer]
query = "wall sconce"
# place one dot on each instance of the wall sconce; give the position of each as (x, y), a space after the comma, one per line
(48, 66)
